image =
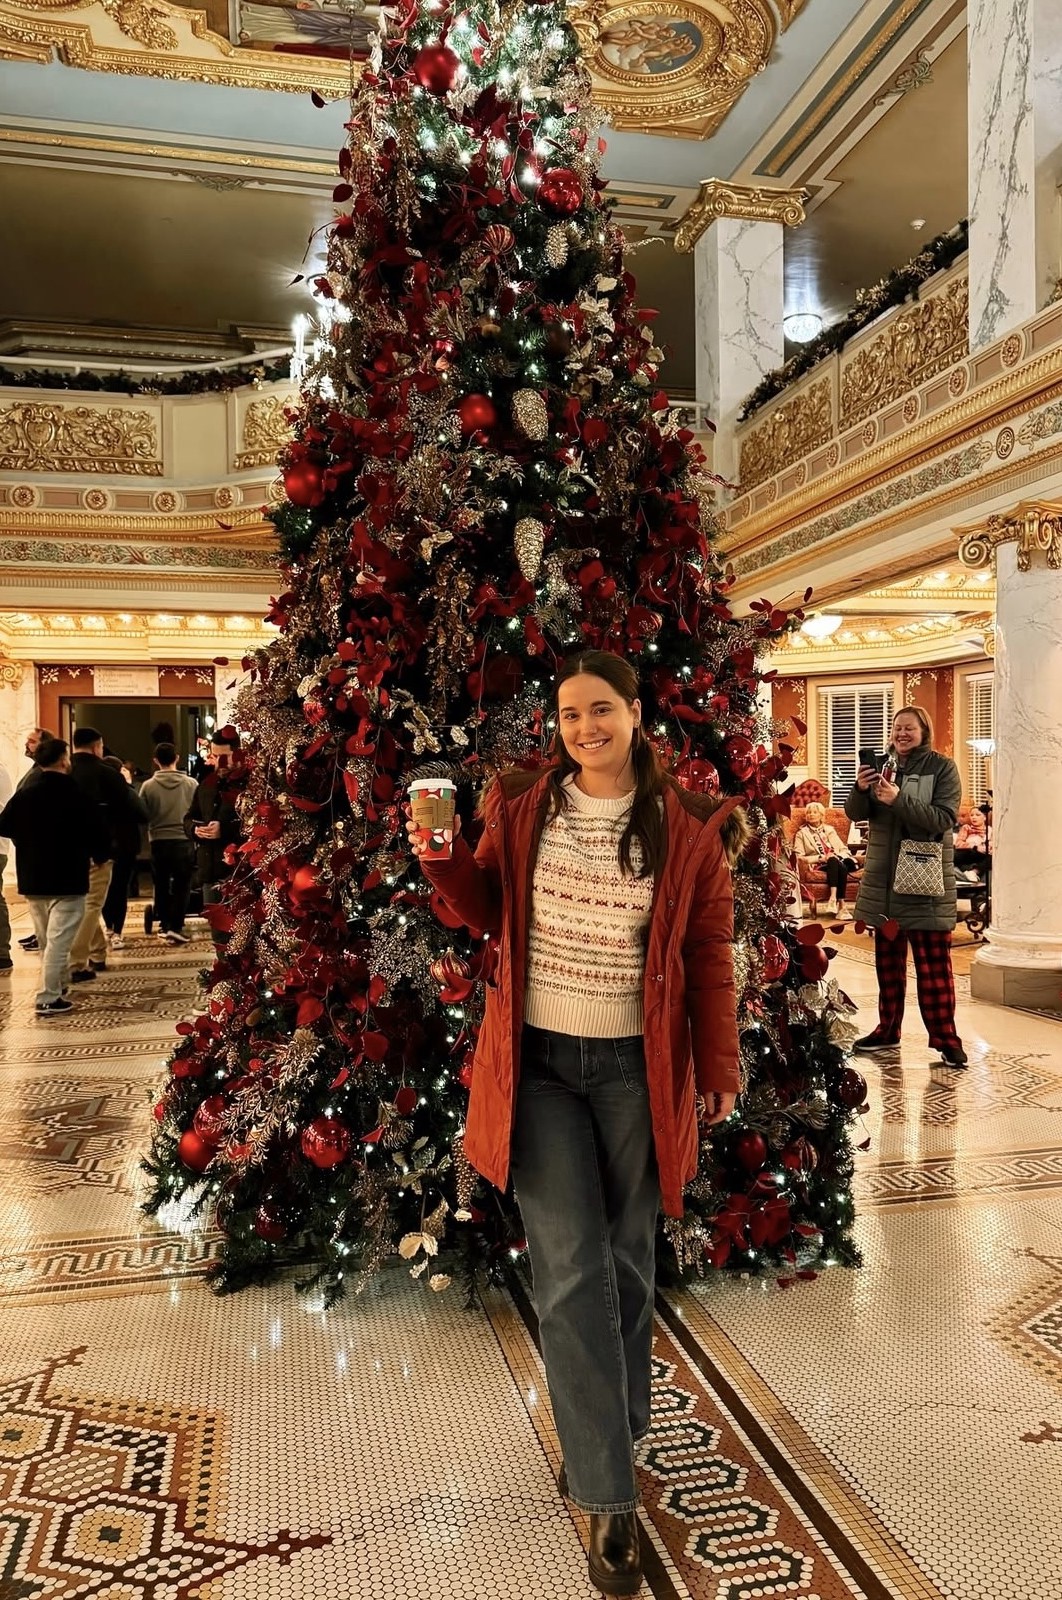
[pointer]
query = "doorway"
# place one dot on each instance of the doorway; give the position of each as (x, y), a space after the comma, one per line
(132, 728)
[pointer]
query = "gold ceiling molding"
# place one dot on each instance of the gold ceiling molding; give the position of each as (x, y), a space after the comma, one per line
(791, 431)
(917, 343)
(88, 34)
(751, 203)
(242, 527)
(71, 140)
(673, 66)
(1035, 526)
(266, 430)
(814, 117)
(38, 437)
(872, 535)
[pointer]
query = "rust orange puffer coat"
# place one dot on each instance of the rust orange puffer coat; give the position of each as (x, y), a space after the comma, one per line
(691, 1036)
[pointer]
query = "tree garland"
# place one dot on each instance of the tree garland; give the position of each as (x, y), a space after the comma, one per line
(903, 283)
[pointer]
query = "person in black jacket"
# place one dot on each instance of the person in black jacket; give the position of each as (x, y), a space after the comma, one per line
(116, 802)
(123, 863)
(212, 822)
(58, 836)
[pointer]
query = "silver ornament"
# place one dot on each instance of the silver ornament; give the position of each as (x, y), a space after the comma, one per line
(529, 541)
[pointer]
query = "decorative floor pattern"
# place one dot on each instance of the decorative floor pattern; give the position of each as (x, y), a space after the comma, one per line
(892, 1434)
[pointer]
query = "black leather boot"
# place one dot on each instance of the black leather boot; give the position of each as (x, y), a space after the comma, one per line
(615, 1558)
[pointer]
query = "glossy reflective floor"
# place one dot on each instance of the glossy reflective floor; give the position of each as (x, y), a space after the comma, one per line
(893, 1432)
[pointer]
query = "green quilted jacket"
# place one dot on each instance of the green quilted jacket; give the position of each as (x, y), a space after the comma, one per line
(926, 807)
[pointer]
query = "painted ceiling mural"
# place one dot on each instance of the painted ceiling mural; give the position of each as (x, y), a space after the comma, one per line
(661, 66)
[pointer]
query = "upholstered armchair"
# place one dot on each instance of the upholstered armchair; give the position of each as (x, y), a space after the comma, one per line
(813, 885)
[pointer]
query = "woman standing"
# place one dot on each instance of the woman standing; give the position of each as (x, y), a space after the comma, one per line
(610, 1031)
(921, 804)
(822, 846)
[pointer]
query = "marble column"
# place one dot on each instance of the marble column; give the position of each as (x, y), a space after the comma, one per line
(1021, 964)
(1014, 56)
(18, 714)
(736, 236)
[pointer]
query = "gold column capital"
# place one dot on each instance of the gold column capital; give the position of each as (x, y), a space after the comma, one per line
(753, 203)
(1035, 525)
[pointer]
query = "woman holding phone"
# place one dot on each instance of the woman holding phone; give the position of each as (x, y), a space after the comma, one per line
(915, 796)
(608, 1041)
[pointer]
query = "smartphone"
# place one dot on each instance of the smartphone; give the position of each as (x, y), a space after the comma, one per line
(870, 758)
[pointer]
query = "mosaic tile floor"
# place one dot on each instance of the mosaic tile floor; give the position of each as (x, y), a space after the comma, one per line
(892, 1434)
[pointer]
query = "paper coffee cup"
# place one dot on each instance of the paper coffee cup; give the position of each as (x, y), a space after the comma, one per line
(433, 802)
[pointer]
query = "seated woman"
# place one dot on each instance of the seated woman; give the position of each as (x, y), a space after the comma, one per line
(824, 848)
(971, 847)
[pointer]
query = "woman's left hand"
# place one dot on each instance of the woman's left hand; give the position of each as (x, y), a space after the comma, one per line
(715, 1108)
(886, 792)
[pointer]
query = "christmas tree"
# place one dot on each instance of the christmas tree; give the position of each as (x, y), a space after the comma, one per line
(484, 477)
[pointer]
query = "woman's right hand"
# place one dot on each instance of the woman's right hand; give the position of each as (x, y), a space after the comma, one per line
(418, 846)
(866, 777)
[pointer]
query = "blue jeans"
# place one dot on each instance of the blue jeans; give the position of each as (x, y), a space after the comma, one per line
(584, 1170)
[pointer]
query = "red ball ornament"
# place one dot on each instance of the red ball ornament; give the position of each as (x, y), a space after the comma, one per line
(741, 754)
(304, 484)
(800, 1155)
(774, 958)
(405, 1100)
(477, 411)
(850, 1089)
(561, 190)
(750, 1148)
(326, 1142)
(268, 1223)
(194, 1152)
(207, 1119)
(700, 777)
(436, 67)
(304, 882)
(814, 962)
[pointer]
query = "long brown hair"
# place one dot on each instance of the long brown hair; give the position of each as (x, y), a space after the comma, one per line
(646, 823)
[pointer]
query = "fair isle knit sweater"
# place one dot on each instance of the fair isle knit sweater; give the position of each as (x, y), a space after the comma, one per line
(589, 922)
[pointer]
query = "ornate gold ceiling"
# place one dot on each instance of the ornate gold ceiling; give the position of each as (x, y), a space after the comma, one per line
(662, 66)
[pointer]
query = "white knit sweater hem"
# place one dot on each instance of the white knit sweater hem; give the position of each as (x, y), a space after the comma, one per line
(582, 1018)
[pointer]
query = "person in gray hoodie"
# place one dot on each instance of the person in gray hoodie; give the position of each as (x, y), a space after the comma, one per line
(167, 797)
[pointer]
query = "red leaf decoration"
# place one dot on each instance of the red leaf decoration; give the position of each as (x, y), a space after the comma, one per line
(309, 1011)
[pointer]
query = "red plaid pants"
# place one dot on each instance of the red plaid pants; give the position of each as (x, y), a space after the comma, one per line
(935, 980)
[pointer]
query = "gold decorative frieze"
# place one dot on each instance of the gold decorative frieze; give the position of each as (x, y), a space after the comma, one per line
(40, 436)
(753, 203)
(791, 431)
(266, 430)
(1035, 527)
(675, 67)
(917, 343)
